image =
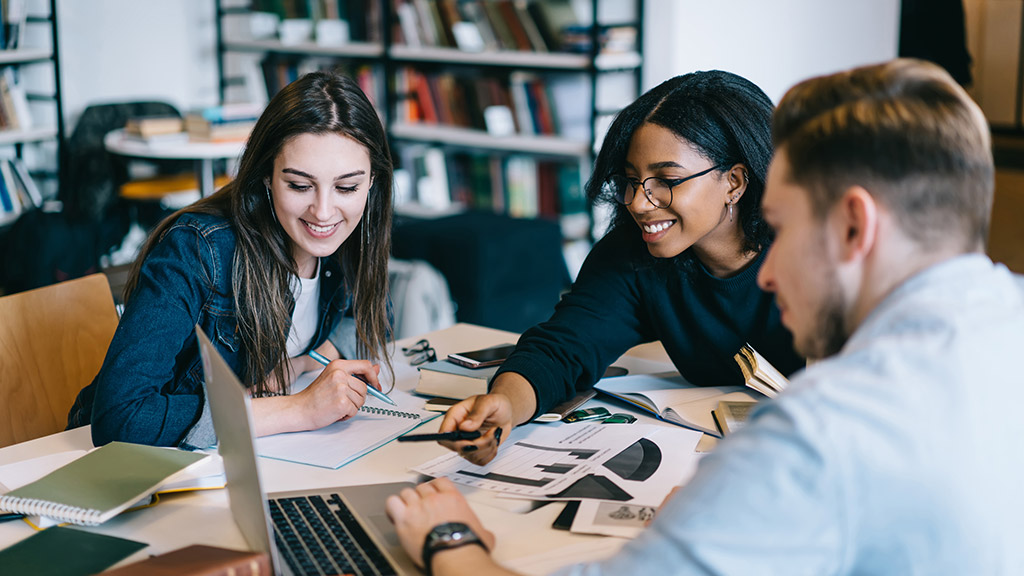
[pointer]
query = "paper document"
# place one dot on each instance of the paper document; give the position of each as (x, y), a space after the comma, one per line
(536, 461)
(342, 442)
(612, 518)
(623, 462)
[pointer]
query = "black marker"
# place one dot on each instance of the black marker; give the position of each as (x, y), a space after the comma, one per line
(452, 436)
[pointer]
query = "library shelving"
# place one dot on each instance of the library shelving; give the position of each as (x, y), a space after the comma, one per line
(484, 100)
(28, 43)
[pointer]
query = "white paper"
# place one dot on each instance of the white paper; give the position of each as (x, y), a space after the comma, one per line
(18, 474)
(669, 460)
(612, 518)
(536, 461)
(338, 444)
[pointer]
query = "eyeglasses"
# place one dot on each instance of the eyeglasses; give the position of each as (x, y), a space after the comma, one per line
(420, 353)
(659, 192)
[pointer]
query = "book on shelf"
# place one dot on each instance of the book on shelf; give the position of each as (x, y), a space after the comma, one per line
(14, 111)
(26, 182)
(15, 19)
(758, 373)
(449, 380)
(731, 415)
(101, 484)
(672, 399)
(199, 560)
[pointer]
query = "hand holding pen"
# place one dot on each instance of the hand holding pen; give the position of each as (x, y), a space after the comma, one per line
(369, 388)
(488, 415)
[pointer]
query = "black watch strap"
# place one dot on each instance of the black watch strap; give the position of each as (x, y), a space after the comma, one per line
(447, 536)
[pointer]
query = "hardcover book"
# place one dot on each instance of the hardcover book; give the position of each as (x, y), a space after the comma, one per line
(200, 560)
(449, 380)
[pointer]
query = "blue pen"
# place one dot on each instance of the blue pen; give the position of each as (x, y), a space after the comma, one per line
(376, 393)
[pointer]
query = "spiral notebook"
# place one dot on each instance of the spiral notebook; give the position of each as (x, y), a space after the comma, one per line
(96, 487)
(342, 442)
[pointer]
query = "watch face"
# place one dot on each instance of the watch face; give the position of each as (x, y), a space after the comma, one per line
(452, 531)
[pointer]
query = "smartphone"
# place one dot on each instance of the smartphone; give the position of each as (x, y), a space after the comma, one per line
(482, 358)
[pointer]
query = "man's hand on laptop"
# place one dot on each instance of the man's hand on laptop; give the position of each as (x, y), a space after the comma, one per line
(415, 512)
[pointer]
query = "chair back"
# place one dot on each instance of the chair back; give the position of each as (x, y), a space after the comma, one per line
(52, 344)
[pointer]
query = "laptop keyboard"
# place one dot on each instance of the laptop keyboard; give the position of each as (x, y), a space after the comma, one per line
(321, 536)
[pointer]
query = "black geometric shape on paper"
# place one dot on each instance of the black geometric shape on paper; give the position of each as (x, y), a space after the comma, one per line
(594, 486)
(638, 462)
(508, 479)
(555, 468)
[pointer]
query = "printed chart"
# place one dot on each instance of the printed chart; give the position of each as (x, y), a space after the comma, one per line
(544, 462)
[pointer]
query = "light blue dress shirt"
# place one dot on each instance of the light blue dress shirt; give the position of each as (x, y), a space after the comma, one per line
(900, 455)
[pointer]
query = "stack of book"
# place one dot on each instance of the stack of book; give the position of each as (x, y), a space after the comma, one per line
(18, 192)
(224, 123)
(156, 130)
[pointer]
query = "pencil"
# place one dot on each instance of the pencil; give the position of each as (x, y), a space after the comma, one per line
(376, 393)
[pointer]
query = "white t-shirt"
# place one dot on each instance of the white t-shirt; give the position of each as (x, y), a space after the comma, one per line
(306, 313)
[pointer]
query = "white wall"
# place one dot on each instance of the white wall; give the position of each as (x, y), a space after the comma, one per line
(113, 50)
(774, 44)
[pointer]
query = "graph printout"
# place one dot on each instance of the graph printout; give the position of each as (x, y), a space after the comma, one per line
(542, 462)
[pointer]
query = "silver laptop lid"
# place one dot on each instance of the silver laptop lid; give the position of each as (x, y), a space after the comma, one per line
(232, 419)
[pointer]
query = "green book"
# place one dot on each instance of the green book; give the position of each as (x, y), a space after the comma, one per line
(61, 551)
(99, 485)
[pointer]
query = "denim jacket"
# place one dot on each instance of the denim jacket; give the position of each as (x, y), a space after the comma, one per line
(150, 387)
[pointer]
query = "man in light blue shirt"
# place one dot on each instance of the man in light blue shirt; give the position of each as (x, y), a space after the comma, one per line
(897, 453)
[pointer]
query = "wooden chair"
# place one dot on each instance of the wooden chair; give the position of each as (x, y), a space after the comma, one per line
(52, 344)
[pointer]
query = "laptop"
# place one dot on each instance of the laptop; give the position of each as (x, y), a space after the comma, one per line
(342, 530)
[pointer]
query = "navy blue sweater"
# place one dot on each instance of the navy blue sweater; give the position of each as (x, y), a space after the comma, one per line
(624, 297)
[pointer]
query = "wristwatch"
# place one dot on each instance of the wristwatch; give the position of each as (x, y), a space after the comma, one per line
(446, 536)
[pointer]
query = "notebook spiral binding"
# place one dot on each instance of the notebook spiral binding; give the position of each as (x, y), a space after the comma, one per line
(388, 412)
(56, 510)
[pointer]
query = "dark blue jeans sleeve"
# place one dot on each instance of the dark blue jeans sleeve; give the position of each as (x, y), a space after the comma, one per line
(149, 389)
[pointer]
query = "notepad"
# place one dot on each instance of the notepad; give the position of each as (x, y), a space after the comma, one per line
(66, 551)
(101, 484)
(342, 442)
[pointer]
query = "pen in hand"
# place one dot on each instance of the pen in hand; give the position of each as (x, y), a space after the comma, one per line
(373, 391)
(452, 436)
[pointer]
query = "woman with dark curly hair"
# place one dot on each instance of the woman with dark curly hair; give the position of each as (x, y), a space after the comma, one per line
(684, 166)
(289, 257)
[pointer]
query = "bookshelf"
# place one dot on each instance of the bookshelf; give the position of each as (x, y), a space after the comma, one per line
(474, 93)
(29, 116)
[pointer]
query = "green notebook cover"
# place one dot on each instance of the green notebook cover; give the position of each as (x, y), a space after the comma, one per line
(61, 551)
(97, 486)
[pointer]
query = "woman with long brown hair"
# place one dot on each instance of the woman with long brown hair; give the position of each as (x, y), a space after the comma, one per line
(289, 257)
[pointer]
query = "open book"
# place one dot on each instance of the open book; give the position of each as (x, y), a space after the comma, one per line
(673, 399)
(99, 485)
(759, 373)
